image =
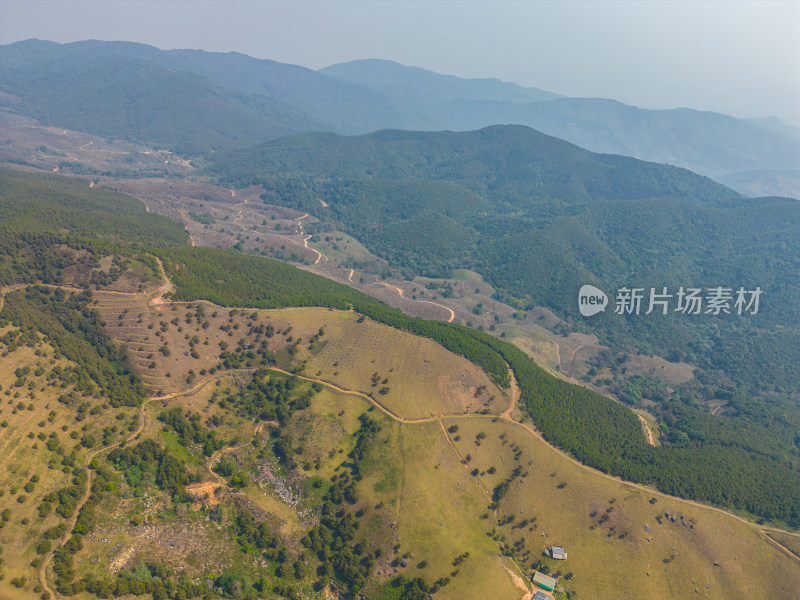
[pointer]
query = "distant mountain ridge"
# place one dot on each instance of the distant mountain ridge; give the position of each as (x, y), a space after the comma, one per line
(414, 82)
(130, 97)
(706, 142)
(513, 165)
(199, 103)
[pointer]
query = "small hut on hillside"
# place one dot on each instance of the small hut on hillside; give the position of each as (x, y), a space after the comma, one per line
(544, 581)
(556, 552)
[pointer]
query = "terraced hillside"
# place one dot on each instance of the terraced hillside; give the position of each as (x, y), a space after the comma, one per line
(468, 500)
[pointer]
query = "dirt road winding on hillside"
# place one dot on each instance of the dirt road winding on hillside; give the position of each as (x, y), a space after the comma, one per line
(87, 460)
(401, 292)
(303, 236)
(308, 237)
(165, 287)
(533, 431)
(437, 418)
(90, 456)
(513, 393)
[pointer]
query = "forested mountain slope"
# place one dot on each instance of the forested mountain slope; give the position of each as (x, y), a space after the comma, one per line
(539, 217)
(709, 143)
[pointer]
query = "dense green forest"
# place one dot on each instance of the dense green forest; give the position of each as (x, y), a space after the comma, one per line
(507, 164)
(37, 202)
(538, 218)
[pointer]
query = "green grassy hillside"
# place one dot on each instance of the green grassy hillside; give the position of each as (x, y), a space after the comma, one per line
(591, 427)
(700, 453)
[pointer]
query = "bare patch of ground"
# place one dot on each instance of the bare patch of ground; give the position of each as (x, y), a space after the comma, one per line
(192, 546)
(54, 149)
(204, 493)
(658, 368)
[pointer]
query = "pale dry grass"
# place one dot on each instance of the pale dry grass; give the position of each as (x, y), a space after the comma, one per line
(618, 558)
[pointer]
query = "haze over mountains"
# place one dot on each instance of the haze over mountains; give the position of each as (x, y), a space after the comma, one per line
(206, 102)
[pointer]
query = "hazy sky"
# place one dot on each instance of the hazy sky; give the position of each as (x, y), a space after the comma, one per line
(736, 57)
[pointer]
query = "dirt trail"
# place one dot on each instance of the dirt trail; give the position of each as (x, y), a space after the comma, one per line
(439, 418)
(308, 237)
(513, 392)
(187, 220)
(570, 370)
(305, 237)
(552, 448)
(166, 286)
(91, 455)
(780, 546)
(213, 461)
(648, 434)
(519, 582)
(350, 276)
(73, 519)
(401, 293)
(642, 487)
(562, 372)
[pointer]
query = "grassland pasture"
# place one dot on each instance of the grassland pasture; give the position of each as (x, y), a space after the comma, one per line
(420, 378)
(601, 523)
(439, 519)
